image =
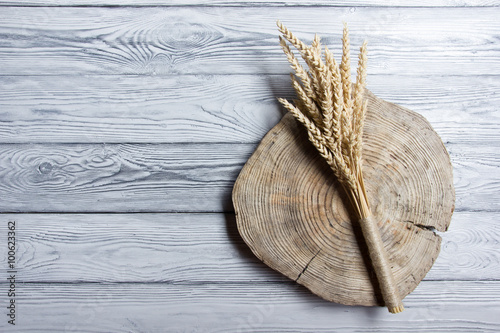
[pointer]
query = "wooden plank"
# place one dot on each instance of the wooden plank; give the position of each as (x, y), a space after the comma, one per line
(433, 307)
(263, 3)
(197, 248)
(119, 178)
(175, 177)
(220, 108)
(140, 108)
(470, 184)
(191, 272)
(207, 40)
(469, 250)
(171, 248)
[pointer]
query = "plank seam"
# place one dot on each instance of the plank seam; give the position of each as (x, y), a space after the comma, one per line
(7, 212)
(243, 5)
(204, 283)
(172, 75)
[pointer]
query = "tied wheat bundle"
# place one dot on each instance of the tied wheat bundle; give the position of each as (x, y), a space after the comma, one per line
(333, 112)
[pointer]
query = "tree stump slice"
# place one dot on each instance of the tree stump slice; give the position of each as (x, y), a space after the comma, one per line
(296, 218)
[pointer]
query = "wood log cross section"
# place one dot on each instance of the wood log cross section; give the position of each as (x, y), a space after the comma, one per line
(295, 217)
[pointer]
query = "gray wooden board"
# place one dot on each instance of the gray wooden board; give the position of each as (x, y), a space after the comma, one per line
(119, 177)
(216, 40)
(123, 126)
(435, 306)
(217, 108)
(250, 3)
(176, 177)
(198, 248)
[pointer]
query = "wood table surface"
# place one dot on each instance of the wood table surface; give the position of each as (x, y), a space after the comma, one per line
(124, 124)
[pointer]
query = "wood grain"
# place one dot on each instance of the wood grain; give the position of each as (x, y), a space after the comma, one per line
(470, 245)
(469, 182)
(178, 177)
(70, 103)
(100, 307)
(189, 249)
(119, 178)
(260, 3)
(194, 40)
(146, 109)
(148, 248)
(293, 214)
(217, 108)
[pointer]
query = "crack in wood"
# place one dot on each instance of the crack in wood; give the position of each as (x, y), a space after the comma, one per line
(423, 227)
(307, 265)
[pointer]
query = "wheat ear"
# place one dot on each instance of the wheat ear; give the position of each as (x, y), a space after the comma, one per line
(333, 114)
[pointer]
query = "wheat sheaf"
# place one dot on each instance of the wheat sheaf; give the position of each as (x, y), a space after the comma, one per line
(333, 110)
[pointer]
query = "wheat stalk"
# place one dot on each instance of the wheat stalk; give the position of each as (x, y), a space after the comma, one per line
(333, 112)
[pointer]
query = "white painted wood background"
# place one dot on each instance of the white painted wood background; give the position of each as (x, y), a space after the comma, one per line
(124, 124)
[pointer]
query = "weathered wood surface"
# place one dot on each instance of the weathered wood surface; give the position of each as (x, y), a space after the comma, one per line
(193, 40)
(438, 306)
(189, 248)
(218, 108)
(119, 177)
(295, 216)
(179, 177)
(208, 75)
(262, 3)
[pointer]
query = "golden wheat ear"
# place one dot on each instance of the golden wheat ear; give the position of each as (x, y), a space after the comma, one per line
(333, 114)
